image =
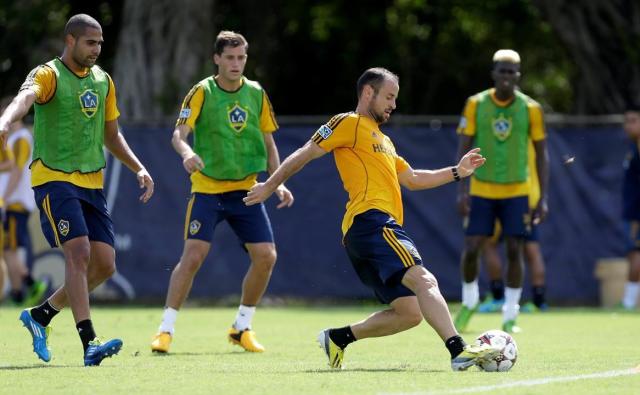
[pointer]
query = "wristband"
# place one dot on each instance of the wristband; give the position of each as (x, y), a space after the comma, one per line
(456, 176)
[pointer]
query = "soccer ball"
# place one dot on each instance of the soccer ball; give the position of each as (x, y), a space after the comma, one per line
(503, 342)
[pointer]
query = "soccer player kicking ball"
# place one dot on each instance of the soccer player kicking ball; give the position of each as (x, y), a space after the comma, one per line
(380, 251)
(75, 117)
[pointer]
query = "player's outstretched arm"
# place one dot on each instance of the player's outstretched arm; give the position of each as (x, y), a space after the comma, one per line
(18, 108)
(117, 145)
(425, 179)
(293, 164)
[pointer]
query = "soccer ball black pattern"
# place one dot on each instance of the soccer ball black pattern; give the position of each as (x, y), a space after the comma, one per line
(503, 342)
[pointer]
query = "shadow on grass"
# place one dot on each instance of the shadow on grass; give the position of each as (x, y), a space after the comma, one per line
(372, 370)
(28, 367)
(196, 354)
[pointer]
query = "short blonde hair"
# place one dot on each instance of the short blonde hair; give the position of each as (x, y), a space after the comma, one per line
(506, 55)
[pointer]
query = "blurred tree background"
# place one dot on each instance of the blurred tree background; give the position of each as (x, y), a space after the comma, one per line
(577, 57)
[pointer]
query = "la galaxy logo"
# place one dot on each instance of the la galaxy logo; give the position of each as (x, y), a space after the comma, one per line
(89, 103)
(238, 117)
(502, 127)
(63, 227)
(194, 227)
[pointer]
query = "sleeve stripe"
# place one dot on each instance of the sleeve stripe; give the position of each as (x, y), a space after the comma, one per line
(187, 100)
(271, 113)
(317, 138)
(335, 121)
(186, 104)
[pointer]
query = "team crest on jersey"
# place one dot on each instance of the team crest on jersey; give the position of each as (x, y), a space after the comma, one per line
(194, 227)
(502, 127)
(238, 117)
(89, 103)
(63, 227)
(324, 131)
(462, 124)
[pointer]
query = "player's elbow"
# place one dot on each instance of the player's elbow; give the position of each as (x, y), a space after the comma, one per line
(411, 184)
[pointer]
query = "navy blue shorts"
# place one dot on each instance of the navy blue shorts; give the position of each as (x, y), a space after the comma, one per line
(632, 230)
(16, 230)
(381, 252)
(68, 211)
(513, 214)
(205, 211)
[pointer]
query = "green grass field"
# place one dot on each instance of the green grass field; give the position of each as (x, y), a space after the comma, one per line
(566, 344)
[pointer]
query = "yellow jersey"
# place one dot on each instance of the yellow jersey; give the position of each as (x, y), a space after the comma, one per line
(192, 105)
(368, 165)
(42, 81)
(5, 156)
(491, 190)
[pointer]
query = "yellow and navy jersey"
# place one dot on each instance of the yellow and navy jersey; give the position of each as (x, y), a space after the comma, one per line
(368, 165)
(5, 156)
(42, 81)
(20, 144)
(189, 113)
(537, 132)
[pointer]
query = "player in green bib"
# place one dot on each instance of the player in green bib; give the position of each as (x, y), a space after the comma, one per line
(232, 123)
(75, 118)
(501, 121)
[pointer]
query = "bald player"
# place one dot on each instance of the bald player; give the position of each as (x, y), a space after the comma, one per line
(382, 254)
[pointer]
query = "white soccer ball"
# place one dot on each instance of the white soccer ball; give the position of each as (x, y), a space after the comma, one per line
(503, 342)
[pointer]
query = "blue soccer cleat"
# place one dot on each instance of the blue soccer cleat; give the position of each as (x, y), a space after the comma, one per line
(98, 351)
(490, 305)
(39, 333)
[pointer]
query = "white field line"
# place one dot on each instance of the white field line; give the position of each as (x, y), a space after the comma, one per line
(528, 383)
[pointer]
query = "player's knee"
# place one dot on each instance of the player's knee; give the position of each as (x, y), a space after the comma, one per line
(412, 318)
(107, 268)
(78, 257)
(266, 258)
(192, 259)
(514, 251)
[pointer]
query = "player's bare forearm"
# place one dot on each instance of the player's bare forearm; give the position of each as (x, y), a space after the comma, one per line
(293, 164)
(542, 166)
(18, 108)
(416, 180)
(273, 156)
(425, 179)
(179, 141)
(117, 145)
